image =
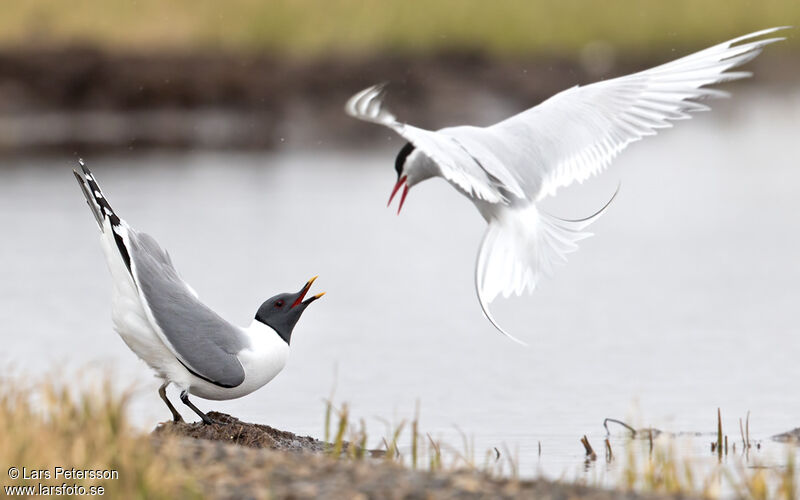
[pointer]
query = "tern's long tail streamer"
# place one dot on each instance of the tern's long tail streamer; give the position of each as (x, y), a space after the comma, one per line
(519, 247)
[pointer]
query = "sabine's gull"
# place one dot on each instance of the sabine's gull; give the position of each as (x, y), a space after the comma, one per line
(507, 168)
(162, 320)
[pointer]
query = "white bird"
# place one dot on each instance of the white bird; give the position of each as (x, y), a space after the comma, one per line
(507, 168)
(161, 319)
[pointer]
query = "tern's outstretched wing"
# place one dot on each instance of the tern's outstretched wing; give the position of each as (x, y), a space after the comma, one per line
(455, 162)
(575, 134)
(204, 342)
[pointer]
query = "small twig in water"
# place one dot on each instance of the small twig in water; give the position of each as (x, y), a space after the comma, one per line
(619, 422)
(719, 433)
(609, 453)
(747, 428)
(741, 429)
(588, 447)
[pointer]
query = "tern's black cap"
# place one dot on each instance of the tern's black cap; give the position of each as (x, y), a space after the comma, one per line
(401, 157)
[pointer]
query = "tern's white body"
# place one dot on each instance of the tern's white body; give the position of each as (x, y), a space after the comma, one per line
(507, 168)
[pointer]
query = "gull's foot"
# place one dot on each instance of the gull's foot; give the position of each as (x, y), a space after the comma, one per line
(214, 417)
(211, 421)
(206, 419)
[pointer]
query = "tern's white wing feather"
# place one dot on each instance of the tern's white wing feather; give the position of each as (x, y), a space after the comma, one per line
(575, 134)
(455, 162)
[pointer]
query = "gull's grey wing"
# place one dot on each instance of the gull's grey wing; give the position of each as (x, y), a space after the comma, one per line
(455, 162)
(204, 342)
(576, 133)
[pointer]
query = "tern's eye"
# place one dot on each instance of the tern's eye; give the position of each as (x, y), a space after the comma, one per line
(279, 303)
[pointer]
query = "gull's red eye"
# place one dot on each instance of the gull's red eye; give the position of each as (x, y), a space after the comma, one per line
(279, 303)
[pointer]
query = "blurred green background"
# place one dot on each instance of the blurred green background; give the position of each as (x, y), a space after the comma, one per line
(118, 75)
(305, 27)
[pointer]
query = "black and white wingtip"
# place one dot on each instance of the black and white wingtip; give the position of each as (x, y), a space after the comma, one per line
(102, 210)
(85, 190)
(97, 202)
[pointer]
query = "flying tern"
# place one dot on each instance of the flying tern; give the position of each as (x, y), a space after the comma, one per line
(162, 320)
(507, 168)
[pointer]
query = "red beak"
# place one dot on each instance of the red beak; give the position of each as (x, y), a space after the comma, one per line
(400, 182)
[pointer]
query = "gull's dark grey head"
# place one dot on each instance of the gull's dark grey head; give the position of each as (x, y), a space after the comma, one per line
(282, 311)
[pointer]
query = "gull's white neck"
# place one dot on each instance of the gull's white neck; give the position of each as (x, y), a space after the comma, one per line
(265, 357)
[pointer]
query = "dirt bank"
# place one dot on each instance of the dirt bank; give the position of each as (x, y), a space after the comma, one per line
(81, 99)
(235, 459)
(231, 430)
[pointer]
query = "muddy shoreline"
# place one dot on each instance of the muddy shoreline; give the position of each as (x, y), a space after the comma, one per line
(81, 99)
(236, 459)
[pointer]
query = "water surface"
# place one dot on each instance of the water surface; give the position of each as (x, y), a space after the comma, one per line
(684, 301)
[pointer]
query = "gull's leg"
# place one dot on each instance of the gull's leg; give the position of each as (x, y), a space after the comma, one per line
(162, 391)
(185, 399)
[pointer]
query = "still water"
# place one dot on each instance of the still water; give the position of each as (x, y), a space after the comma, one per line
(685, 300)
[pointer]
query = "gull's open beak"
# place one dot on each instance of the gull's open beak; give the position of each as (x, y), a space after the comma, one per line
(303, 294)
(400, 182)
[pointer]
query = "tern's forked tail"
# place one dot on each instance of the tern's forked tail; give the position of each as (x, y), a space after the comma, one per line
(519, 247)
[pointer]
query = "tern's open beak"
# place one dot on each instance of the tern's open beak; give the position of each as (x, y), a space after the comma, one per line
(400, 182)
(303, 292)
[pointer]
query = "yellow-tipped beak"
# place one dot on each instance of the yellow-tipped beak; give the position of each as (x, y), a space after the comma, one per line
(303, 292)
